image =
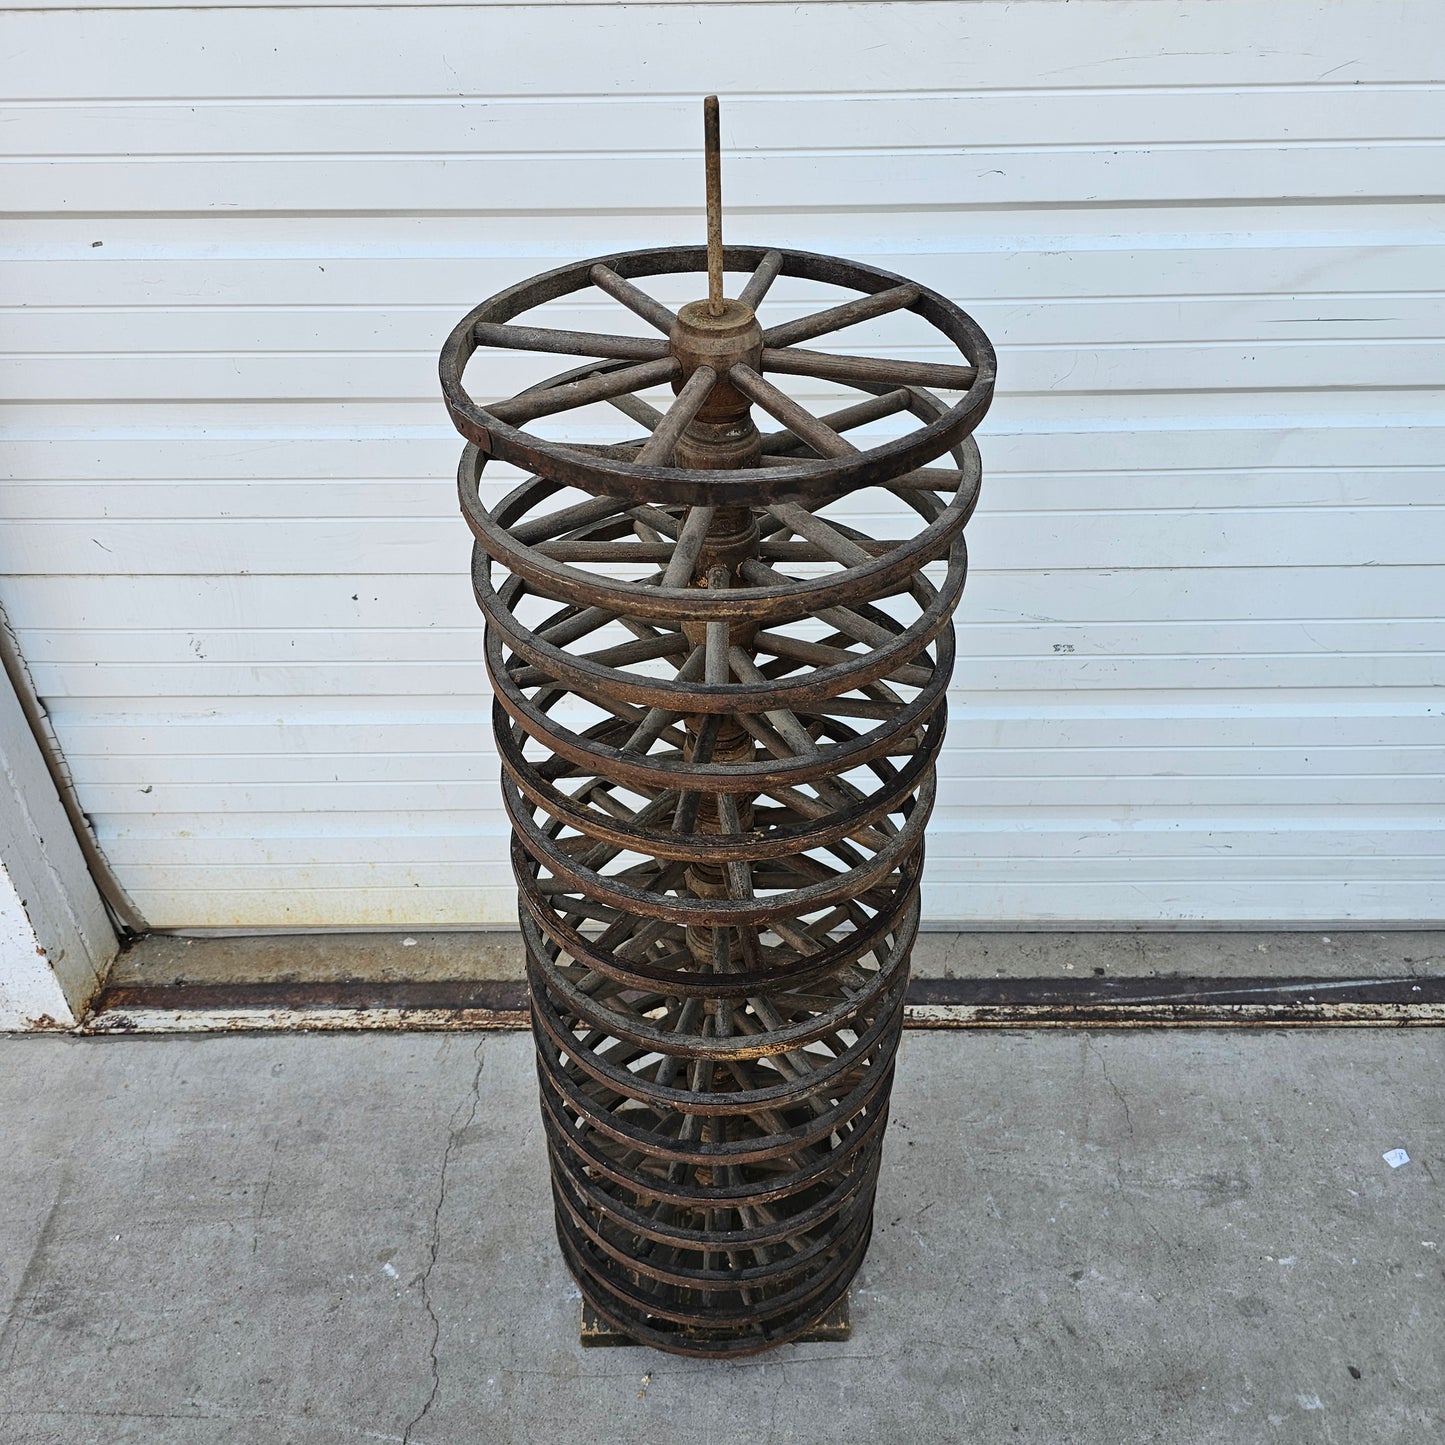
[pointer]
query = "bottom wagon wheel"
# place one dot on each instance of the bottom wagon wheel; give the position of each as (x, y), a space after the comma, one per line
(720, 656)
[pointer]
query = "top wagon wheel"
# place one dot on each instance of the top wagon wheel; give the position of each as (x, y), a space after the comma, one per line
(718, 359)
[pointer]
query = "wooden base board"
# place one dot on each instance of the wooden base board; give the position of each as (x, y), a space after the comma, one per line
(835, 1327)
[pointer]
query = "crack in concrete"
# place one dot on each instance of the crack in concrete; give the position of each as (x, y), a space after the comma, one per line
(454, 1134)
(265, 1195)
(1114, 1089)
(27, 1292)
(1091, 1047)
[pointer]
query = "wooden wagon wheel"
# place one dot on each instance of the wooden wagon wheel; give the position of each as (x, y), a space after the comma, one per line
(719, 705)
(717, 365)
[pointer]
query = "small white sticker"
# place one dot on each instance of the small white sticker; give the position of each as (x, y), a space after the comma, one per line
(1395, 1158)
(408, 943)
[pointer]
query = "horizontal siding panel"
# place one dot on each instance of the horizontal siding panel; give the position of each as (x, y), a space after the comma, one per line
(1327, 901)
(1200, 901)
(977, 640)
(1244, 254)
(1323, 318)
(399, 676)
(758, 125)
(459, 725)
(382, 903)
(381, 839)
(55, 445)
(135, 770)
(1259, 597)
(434, 498)
(525, 50)
(902, 180)
(1320, 536)
(315, 376)
(477, 799)
(468, 876)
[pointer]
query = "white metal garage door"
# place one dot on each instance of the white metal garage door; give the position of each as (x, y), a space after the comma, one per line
(1201, 636)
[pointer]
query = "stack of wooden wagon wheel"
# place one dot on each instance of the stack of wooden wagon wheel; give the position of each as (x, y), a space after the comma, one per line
(718, 710)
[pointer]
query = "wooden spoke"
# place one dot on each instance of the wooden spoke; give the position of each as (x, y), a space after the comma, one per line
(569, 628)
(793, 361)
(659, 523)
(715, 672)
(860, 414)
(651, 310)
(689, 547)
(821, 533)
(761, 279)
(667, 644)
(660, 718)
(568, 343)
(789, 726)
(822, 655)
(804, 551)
(568, 519)
(627, 449)
(818, 435)
(928, 479)
(843, 618)
(848, 621)
(835, 318)
(533, 404)
(584, 551)
(712, 149)
(640, 411)
(657, 450)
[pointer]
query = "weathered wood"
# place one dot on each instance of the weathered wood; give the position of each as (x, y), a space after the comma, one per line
(534, 404)
(859, 414)
(718, 826)
(803, 424)
(634, 298)
(835, 318)
(569, 343)
(768, 269)
(660, 446)
(794, 361)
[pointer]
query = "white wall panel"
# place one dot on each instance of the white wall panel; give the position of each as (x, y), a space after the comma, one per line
(1201, 648)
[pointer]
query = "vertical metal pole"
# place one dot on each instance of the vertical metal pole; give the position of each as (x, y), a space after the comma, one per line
(713, 149)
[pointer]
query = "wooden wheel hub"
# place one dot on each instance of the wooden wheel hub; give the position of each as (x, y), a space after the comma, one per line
(722, 435)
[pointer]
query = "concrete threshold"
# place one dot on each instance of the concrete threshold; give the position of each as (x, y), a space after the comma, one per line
(459, 980)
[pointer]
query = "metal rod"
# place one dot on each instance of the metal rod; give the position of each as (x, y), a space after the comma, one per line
(713, 149)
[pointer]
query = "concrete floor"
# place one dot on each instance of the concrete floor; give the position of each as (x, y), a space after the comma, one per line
(1084, 1238)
